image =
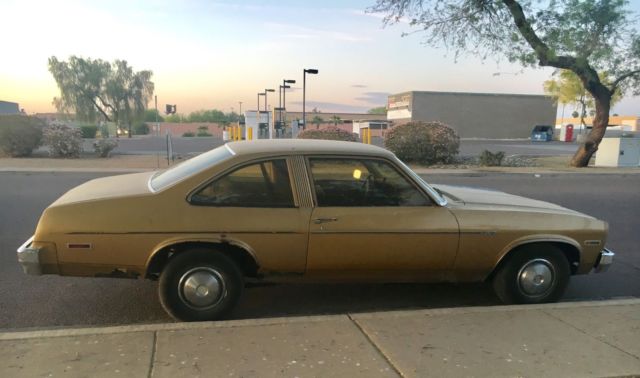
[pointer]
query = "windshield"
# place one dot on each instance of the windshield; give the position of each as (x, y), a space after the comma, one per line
(190, 167)
(434, 193)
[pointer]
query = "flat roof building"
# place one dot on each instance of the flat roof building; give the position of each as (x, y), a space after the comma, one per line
(7, 107)
(475, 115)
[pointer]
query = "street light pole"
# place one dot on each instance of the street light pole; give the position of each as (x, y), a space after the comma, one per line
(258, 112)
(310, 71)
(284, 91)
(266, 110)
(265, 97)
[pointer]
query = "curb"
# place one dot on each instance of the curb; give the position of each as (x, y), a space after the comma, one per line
(70, 332)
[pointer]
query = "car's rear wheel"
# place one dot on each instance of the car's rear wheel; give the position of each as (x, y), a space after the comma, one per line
(536, 273)
(200, 285)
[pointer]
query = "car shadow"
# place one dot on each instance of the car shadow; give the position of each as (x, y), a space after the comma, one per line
(265, 301)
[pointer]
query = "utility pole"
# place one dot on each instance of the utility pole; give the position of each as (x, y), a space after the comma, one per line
(157, 123)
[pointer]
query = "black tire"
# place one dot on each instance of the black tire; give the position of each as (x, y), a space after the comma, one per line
(537, 273)
(200, 285)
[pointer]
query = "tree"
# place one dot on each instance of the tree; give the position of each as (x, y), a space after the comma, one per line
(568, 89)
(378, 110)
(212, 115)
(150, 115)
(96, 89)
(317, 120)
(336, 120)
(586, 37)
(175, 118)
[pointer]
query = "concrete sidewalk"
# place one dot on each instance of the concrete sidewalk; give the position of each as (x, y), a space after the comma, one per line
(579, 339)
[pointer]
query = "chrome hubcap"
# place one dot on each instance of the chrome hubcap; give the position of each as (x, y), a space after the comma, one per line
(536, 277)
(201, 288)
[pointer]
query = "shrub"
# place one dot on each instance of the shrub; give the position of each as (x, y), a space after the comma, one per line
(329, 133)
(63, 141)
(423, 142)
(89, 131)
(188, 134)
(490, 159)
(104, 130)
(20, 134)
(103, 147)
(140, 128)
(203, 131)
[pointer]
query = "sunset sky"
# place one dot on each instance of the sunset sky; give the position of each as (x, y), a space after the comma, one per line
(212, 54)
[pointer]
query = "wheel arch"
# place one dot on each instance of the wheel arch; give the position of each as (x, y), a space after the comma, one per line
(238, 252)
(569, 247)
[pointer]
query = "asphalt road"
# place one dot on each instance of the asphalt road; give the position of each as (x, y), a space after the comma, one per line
(46, 301)
(468, 147)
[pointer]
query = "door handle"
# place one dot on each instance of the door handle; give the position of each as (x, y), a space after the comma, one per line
(324, 220)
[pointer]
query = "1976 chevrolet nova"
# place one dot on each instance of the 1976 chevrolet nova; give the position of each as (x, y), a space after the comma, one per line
(303, 210)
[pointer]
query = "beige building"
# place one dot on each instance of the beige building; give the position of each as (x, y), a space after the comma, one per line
(475, 115)
(327, 117)
(625, 123)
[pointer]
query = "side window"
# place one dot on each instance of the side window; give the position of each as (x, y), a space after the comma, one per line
(362, 182)
(264, 184)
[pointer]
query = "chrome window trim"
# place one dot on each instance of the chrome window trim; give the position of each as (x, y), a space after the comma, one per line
(230, 149)
(241, 165)
(435, 196)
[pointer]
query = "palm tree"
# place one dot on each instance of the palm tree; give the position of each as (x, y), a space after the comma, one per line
(317, 120)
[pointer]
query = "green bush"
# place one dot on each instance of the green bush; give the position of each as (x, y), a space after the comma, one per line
(103, 147)
(63, 141)
(20, 134)
(188, 134)
(329, 133)
(423, 142)
(89, 131)
(490, 159)
(140, 128)
(104, 130)
(203, 131)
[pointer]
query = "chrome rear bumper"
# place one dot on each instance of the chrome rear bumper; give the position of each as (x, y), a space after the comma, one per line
(604, 261)
(29, 258)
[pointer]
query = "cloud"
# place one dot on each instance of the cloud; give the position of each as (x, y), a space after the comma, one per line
(378, 15)
(358, 86)
(374, 98)
(301, 32)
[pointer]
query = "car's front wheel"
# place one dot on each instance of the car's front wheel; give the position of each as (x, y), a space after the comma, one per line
(200, 285)
(533, 274)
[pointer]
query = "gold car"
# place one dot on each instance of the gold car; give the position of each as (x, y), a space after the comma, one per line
(307, 210)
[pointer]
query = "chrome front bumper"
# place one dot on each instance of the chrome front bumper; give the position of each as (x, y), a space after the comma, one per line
(604, 261)
(29, 258)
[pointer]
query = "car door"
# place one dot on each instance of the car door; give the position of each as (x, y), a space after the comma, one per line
(257, 206)
(371, 220)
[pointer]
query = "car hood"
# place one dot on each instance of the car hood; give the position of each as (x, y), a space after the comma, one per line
(135, 184)
(486, 198)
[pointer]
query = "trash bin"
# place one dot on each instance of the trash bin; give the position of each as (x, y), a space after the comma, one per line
(568, 133)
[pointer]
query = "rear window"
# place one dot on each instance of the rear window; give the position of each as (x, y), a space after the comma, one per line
(542, 129)
(189, 168)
